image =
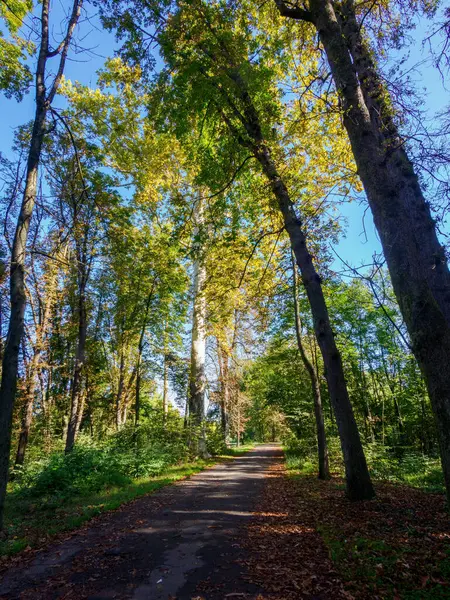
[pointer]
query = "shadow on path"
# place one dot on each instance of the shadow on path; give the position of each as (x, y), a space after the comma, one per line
(159, 547)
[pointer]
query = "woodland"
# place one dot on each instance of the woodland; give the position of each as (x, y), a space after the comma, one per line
(171, 288)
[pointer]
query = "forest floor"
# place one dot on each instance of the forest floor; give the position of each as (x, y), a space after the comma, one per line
(244, 529)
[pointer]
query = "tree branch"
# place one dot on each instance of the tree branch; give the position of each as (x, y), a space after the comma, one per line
(294, 12)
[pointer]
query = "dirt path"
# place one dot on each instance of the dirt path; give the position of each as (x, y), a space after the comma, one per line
(181, 542)
(243, 530)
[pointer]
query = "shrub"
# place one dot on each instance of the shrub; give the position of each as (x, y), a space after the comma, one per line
(397, 464)
(129, 454)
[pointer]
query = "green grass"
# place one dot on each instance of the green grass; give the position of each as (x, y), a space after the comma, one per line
(29, 523)
(234, 451)
(374, 563)
(385, 464)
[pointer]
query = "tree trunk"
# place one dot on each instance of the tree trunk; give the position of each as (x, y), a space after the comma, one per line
(80, 411)
(137, 401)
(324, 469)
(35, 368)
(416, 260)
(197, 379)
(165, 397)
(224, 392)
(359, 485)
(137, 404)
(26, 424)
(238, 440)
(1, 327)
(80, 357)
(17, 272)
(119, 395)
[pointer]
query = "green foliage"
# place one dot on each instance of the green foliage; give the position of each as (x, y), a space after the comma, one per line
(91, 466)
(215, 442)
(30, 523)
(395, 464)
(405, 465)
(62, 475)
(15, 75)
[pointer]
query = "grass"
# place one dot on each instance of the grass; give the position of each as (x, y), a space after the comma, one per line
(408, 467)
(394, 547)
(30, 524)
(30, 521)
(234, 451)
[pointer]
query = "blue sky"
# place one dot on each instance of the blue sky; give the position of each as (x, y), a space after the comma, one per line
(361, 240)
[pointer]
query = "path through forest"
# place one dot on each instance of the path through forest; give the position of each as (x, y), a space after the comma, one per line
(198, 538)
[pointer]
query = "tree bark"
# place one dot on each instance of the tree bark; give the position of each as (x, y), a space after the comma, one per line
(137, 398)
(359, 485)
(197, 377)
(165, 396)
(416, 260)
(80, 357)
(324, 469)
(43, 101)
(36, 366)
(137, 403)
(119, 395)
(26, 423)
(83, 271)
(224, 392)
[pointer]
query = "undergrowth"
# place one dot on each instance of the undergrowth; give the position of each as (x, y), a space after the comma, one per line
(58, 492)
(394, 464)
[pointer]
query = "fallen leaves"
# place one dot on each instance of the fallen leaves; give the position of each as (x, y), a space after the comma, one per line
(318, 544)
(286, 556)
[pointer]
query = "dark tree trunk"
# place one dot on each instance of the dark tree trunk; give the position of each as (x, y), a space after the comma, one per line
(165, 397)
(26, 425)
(359, 485)
(119, 395)
(35, 368)
(76, 404)
(80, 357)
(324, 469)
(137, 402)
(358, 481)
(17, 273)
(415, 258)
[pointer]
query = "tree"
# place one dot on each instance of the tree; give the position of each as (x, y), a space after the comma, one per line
(324, 470)
(44, 98)
(416, 260)
(197, 376)
(45, 307)
(221, 63)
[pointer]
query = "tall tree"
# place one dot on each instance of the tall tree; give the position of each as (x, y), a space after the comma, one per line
(46, 301)
(44, 98)
(222, 62)
(416, 260)
(197, 377)
(324, 469)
